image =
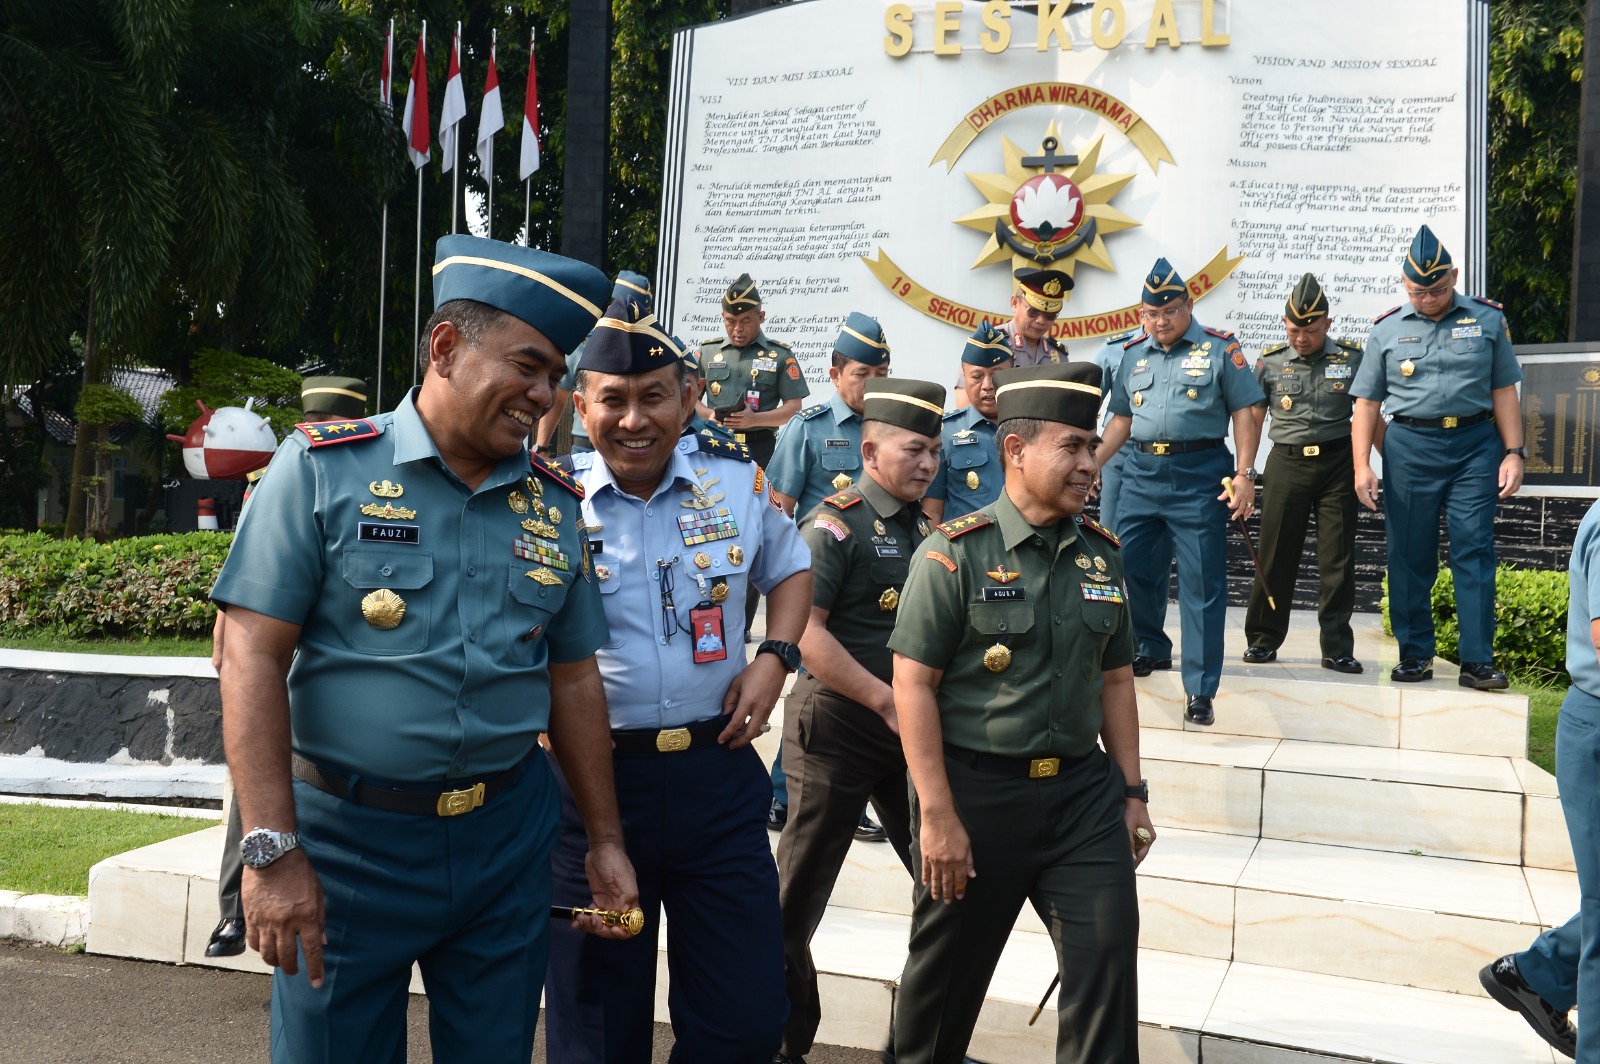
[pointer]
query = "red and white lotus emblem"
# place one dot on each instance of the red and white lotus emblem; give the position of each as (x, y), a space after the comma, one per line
(1047, 208)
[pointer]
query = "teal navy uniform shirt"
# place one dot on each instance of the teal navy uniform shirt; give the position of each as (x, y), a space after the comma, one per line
(814, 449)
(1108, 358)
(1583, 605)
(1418, 367)
(710, 518)
(970, 475)
(493, 581)
(1187, 393)
(1309, 397)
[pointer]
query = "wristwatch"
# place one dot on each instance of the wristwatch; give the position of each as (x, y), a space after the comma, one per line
(787, 653)
(1141, 792)
(1520, 452)
(1249, 474)
(261, 846)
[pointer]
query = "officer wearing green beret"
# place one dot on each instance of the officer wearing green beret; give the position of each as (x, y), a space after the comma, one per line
(1307, 384)
(1012, 666)
(753, 383)
(840, 731)
(969, 468)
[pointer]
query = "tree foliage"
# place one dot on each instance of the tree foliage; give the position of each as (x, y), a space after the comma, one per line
(223, 378)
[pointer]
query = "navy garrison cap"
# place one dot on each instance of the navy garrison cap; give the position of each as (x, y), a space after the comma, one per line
(987, 346)
(1068, 392)
(627, 346)
(1427, 262)
(914, 405)
(1163, 285)
(635, 286)
(1308, 303)
(560, 297)
(862, 339)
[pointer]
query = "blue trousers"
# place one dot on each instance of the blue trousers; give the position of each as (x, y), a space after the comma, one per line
(1550, 965)
(1578, 777)
(466, 897)
(1427, 472)
(1167, 506)
(696, 833)
(1111, 489)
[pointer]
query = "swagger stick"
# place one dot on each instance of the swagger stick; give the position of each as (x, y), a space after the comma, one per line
(1227, 485)
(631, 921)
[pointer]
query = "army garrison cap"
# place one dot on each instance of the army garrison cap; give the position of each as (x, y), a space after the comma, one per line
(741, 296)
(1308, 303)
(1044, 289)
(339, 396)
(987, 346)
(627, 346)
(914, 405)
(1163, 285)
(635, 286)
(560, 297)
(1068, 392)
(862, 340)
(1427, 262)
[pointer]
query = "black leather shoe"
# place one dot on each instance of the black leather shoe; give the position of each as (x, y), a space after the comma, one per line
(779, 1058)
(1345, 664)
(867, 831)
(1259, 655)
(1505, 984)
(1412, 670)
(777, 815)
(1198, 711)
(1482, 676)
(1143, 666)
(227, 940)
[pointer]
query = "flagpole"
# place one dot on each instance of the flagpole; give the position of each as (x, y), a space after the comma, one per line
(494, 37)
(416, 293)
(455, 145)
(383, 276)
(527, 182)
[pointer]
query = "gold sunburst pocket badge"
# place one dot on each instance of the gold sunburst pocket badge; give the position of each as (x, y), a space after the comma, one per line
(383, 609)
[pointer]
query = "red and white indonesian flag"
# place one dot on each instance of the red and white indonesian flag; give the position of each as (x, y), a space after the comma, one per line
(491, 121)
(386, 72)
(530, 120)
(415, 122)
(455, 104)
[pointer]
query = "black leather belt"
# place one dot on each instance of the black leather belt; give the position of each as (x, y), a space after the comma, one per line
(1313, 450)
(1036, 768)
(669, 740)
(1174, 446)
(430, 800)
(1446, 422)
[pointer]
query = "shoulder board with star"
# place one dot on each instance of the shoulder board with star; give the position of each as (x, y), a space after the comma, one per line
(1385, 314)
(1274, 349)
(1051, 341)
(844, 500)
(1221, 334)
(1121, 337)
(1095, 526)
(711, 443)
(953, 413)
(1137, 339)
(711, 343)
(324, 433)
(1350, 345)
(812, 411)
(962, 525)
(557, 474)
(1488, 302)
(779, 343)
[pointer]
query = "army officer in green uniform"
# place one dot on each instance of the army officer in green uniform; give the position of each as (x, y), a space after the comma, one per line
(1013, 655)
(753, 383)
(1310, 470)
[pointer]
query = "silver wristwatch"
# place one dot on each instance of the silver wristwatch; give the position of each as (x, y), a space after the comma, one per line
(261, 846)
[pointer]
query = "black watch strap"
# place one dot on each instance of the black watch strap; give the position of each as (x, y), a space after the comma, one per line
(1141, 791)
(787, 653)
(1520, 452)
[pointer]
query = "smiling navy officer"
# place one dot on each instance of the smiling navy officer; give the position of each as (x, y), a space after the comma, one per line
(679, 524)
(970, 474)
(398, 636)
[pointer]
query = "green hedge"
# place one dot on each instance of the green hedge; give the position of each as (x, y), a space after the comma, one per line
(1530, 633)
(140, 587)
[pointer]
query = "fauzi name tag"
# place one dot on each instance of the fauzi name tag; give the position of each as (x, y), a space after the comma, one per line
(372, 532)
(1004, 594)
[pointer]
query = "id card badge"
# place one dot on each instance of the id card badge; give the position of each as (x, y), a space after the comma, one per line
(752, 399)
(705, 621)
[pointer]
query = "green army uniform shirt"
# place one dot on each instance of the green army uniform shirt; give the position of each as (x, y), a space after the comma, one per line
(1022, 627)
(1309, 399)
(766, 367)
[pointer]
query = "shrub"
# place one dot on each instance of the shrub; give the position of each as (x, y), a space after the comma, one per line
(1530, 628)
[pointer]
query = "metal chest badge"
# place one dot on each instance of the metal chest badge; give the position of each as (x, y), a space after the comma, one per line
(841, 481)
(1407, 368)
(1286, 402)
(1002, 574)
(973, 482)
(888, 600)
(383, 609)
(518, 502)
(997, 658)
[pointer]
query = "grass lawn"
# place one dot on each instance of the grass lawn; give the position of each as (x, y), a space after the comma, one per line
(48, 850)
(168, 646)
(1544, 705)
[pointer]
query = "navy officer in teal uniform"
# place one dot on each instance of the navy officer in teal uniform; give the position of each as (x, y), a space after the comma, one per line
(1444, 370)
(1177, 389)
(970, 475)
(678, 526)
(1108, 358)
(410, 603)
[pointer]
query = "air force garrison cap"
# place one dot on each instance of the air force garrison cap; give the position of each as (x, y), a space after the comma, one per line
(914, 405)
(1427, 261)
(625, 346)
(1308, 303)
(560, 297)
(862, 340)
(1068, 392)
(1043, 289)
(635, 286)
(987, 346)
(1163, 285)
(741, 296)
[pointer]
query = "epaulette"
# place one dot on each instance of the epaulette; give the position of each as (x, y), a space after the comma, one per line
(718, 340)
(1095, 526)
(1488, 302)
(844, 500)
(1221, 334)
(711, 443)
(962, 525)
(557, 474)
(1350, 345)
(1117, 339)
(1274, 349)
(323, 433)
(574, 463)
(812, 411)
(953, 412)
(779, 343)
(1135, 340)
(1385, 314)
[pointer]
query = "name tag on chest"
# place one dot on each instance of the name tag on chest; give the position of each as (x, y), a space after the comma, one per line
(887, 552)
(372, 532)
(836, 443)
(1004, 594)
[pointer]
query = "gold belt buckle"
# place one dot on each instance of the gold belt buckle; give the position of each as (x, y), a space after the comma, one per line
(1042, 768)
(1450, 422)
(672, 740)
(1158, 448)
(454, 803)
(1310, 452)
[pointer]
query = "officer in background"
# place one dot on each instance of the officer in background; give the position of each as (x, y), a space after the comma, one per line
(691, 360)
(1307, 384)
(970, 474)
(1176, 390)
(321, 399)
(400, 630)
(633, 288)
(753, 383)
(1012, 654)
(1035, 305)
(1445, 371)
(678, 525)
(839, 723)
(1108, 358)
